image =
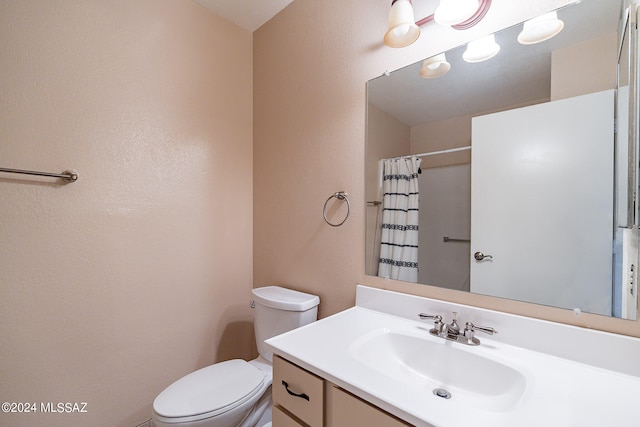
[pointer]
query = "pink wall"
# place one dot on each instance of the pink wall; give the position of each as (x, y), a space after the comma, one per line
(141, 271)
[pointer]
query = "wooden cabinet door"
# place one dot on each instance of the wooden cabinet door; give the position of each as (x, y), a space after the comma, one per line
(345, 410)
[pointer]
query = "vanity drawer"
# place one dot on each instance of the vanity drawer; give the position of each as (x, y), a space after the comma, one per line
(347, 410)
(298, 392)
(282, 419)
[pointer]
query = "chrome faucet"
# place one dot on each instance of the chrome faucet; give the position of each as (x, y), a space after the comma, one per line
(451, 331)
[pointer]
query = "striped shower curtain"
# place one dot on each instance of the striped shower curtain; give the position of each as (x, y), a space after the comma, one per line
(399, 239)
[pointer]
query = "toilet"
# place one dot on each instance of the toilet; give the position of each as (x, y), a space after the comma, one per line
(237, 393)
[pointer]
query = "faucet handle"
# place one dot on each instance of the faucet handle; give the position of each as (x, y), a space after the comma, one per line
(437, 324)
(470, 329)
(425, 316)
(487, 330)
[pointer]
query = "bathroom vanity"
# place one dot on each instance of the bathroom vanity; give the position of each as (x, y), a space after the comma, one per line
(377, 364)
(320, 402)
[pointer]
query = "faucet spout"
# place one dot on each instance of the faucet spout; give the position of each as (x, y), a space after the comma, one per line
(453, 330)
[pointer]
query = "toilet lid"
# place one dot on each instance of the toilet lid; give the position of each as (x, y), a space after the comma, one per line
(212, 390)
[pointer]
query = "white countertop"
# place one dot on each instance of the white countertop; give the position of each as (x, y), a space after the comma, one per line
(559, 392)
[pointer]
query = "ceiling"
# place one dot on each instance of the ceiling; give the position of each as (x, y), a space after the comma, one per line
(248, 14)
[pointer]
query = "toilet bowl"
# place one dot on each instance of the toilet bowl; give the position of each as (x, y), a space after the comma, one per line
(237, 393)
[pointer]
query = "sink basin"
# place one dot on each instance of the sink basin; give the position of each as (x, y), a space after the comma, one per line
(429, 363)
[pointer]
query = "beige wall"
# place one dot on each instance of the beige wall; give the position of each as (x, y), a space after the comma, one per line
(597, 55)
(140, 272)
(311, 64)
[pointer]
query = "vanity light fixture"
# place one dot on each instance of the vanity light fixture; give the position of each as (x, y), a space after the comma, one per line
(453, 12)
(433, 67)
(481, 49)
(403, 29)
(541, 28)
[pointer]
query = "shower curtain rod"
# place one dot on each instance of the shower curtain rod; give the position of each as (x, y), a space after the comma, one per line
(433, 153)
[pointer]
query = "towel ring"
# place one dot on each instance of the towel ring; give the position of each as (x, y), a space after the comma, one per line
(340, 195)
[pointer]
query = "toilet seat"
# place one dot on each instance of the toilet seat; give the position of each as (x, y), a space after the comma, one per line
(210, 391)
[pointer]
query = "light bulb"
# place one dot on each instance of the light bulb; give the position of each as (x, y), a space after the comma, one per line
(433, 67)
(541, 28)
(401, 30)
(481, 49)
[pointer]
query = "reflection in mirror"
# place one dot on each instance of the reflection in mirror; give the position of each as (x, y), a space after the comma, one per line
(524, 186)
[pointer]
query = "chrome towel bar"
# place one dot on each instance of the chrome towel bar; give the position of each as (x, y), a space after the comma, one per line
(70, 176)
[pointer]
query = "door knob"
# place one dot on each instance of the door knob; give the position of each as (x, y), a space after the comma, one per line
(479, 256)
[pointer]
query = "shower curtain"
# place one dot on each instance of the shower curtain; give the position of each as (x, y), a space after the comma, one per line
(399, 240)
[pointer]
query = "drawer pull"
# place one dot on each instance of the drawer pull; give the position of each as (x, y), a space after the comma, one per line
(302, 395)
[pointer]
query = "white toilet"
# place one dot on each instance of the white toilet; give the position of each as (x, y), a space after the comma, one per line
(236, 393)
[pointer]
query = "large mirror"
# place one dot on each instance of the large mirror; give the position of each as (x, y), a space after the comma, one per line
(510, 177)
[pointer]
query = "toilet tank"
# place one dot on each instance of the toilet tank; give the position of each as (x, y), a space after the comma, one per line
(278, 310)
